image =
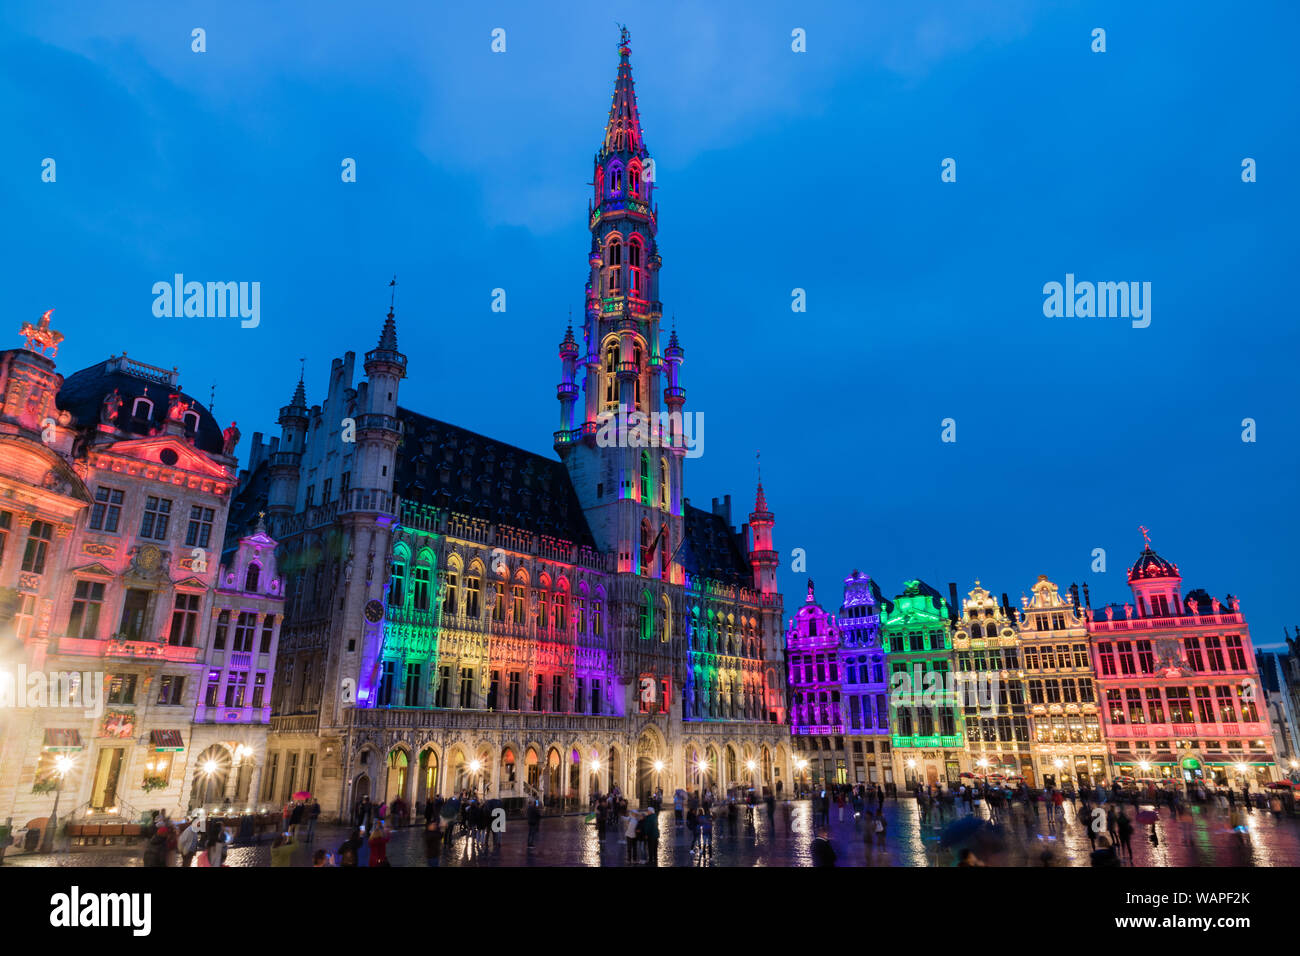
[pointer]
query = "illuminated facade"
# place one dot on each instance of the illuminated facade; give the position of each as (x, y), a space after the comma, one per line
(465, 613)
(1177, 681)
(1068, 749)
(991, 689)
(928, 735)
(112, 510)
(839, 704)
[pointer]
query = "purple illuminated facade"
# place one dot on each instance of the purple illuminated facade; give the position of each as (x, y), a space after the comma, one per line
(839, 705)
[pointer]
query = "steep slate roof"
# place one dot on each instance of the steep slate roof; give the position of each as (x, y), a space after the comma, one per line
(454, 468)
(83, 394)
(713, 550)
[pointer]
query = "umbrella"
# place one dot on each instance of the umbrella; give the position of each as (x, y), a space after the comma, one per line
(302, 795)
(959, 831)
(1147, 814)
(590, 819)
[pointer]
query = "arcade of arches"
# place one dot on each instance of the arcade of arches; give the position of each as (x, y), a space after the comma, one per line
(574, 770)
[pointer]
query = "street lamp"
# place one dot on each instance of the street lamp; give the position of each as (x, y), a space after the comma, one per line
(62, 764)
(1059, 764)
(474, 767)
(209, 768)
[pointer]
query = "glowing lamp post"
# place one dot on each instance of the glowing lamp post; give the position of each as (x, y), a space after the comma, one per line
(209, 771)
(474, 767)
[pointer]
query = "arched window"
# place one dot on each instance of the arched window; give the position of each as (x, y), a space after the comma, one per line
(615, 180)
(645, 477)
(397, 584)
(663, 482)
(665, 552)
(252, 577)
(142, 408)
(645, 616)
(192, 421)
(611, 379)
(637, 281)
(634, 180)
(613, 263)
(975, 631)
(636, 393)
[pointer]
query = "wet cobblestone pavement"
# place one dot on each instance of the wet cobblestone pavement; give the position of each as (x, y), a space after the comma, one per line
(1201, 838)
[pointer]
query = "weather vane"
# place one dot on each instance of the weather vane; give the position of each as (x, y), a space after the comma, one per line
(392, 298)
(1146, 535)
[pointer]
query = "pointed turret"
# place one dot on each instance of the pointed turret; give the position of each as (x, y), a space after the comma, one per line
(567, 390)
(623, 128)
(762, 555)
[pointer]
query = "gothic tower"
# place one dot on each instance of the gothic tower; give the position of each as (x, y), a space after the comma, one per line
(624, 446)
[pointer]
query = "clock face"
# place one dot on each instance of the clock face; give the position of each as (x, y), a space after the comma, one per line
(374, 612)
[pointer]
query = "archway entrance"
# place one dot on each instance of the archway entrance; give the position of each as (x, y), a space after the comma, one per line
(398, 767)
(650, 767)
(427, 781)
(211, 770)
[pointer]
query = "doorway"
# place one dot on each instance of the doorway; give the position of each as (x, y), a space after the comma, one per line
(108, 769)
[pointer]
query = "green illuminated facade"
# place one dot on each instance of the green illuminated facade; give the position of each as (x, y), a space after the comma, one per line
(928, 740)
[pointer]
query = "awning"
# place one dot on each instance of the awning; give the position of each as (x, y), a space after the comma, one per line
(62, 739)
(166, 740)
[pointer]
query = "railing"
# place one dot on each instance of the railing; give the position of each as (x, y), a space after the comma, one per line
(144, 650)
(1165, 623)
(375, 718)
(295, 724)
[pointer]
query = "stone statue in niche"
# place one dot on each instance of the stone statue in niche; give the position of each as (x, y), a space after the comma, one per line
(112, 404)
(176, 407)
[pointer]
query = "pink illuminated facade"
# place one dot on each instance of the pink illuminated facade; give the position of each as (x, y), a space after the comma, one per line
(1177, 683)
(113, 498)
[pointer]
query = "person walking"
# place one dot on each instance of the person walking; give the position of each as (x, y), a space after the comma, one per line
(652, 837)
(1124, 827)
(823, 854)
(313, 814)
(433, 842)
(706, 836)
(534, 823)
(379, 845)
(187, 843)
(630, 822)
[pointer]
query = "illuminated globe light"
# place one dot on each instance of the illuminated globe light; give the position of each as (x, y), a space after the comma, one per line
(595, 765)
(62, 764)
(911, 764)
(474, 766)
(751, 765)
(983, 762)
(1241, 768)
(659, 766)
(1143, 766)
(210, 767)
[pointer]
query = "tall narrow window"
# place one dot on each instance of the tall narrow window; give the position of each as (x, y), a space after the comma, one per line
(135, 610)
(471, 597)
(268, 633)
(185, 620)
(645, 477)
(107, 511)
(397, 585)
(38, 542)
(420, 588)
(223, 626)
(614, 265)
(663, 482)
(157, 516)
(244, 627)
(253, 578)
(200, 527)
(87, 601)
(611, 378)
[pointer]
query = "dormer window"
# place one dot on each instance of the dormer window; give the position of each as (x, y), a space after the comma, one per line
(143, 408)
(253, 577)
(191, 421)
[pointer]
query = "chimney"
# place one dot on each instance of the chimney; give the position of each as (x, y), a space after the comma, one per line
(1006, 606)
(954, 608)
(1074, 593)
(1087, 601)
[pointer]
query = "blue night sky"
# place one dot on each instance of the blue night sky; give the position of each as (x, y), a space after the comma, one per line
(776, 170)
